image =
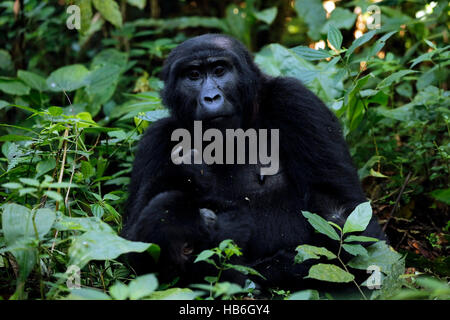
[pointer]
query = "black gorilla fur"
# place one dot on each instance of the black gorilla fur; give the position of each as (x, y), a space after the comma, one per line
(262, 215)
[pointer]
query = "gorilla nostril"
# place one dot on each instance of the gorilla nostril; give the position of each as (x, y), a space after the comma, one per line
(216, 98)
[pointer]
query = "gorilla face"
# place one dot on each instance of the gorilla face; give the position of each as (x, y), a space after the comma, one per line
(209, 84)
(213, 79)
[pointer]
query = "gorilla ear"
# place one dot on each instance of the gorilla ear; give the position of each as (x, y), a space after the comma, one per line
(208, 216)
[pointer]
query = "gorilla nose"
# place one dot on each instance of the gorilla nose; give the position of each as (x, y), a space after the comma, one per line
(213, 101)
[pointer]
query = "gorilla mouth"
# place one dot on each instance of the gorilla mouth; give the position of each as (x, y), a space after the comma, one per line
(218, 118)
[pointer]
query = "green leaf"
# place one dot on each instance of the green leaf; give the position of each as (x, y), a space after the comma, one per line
(12, 185)
(15, 137)
(311, 54)
(174, 294)
(30, 182)
(304, 295)
(87, 170)
(142, 286)
(341, 19)
(355, 249)
(33, 80)
(97, 210)
(64, 223)
(19, 230)
(109, 10)
(359, 218)
(6, 62)
(111, 197)
(321, 225)
(442, 195)
(379, 254)
(87, 294)
(95, 245)
(353, 238)
(267, 15)
(395, 77)
(68, 78)
(360, 41)
(119, 291)
(152, 116)
(45, 166)
(138, 3)
(55, 111)
(314, 15)
(335, 37)
(305, 252)
(54, 195)
(13, 86)
(243, 269)
(330, 273)
(204, 255)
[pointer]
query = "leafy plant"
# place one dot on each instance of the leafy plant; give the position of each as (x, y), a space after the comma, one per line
(226, 250)
(378, 255)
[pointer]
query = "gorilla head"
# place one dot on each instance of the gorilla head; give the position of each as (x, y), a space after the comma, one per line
(211, 78)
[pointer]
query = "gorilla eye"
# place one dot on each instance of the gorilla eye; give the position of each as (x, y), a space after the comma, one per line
(193, 74)
(219, 71)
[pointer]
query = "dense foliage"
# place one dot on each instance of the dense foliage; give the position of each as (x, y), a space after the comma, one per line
(73, 104)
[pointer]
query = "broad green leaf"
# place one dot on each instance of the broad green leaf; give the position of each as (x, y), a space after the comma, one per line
(330, 273)
(355, 249)
(87, 294)
(109, 10)
(341, 19)
(142, 286)
(335, 37)
(380, 254)
(311, 54)
(33, 80)
(13, 86)
(442, 195)
(68, 78)
(97, 210)
(304, 295)
(6, 62)
(267, 15)
(359, 218)
(174, 294)
(305, 252)
(353, 238)
(19, 230)
(321, 225)
(138, 3)
(64, 223)
(55, 111)
(152, 116)
(111, 196)
(314, 15)
(95, 245)
(119, 291)
(204, 255)
(45, 166)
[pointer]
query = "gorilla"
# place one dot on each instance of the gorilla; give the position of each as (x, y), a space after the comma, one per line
(186, 208)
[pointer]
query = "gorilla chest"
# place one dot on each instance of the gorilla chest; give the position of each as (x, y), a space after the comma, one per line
(241, 184)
